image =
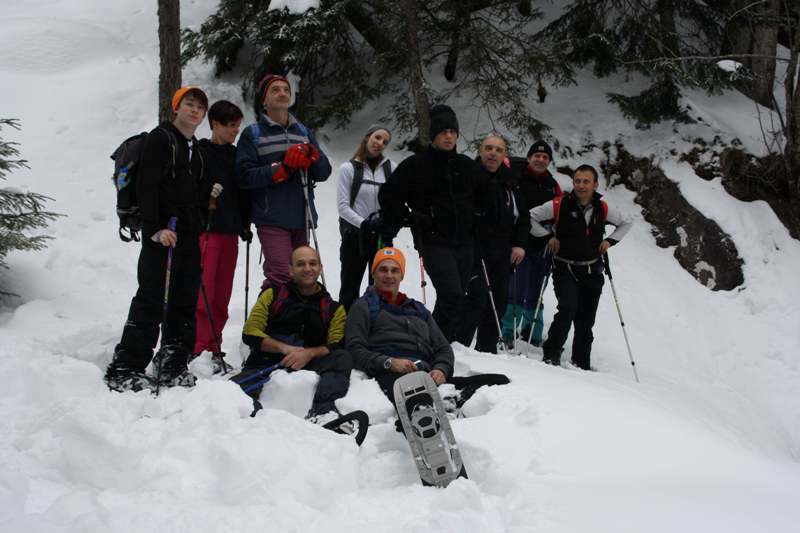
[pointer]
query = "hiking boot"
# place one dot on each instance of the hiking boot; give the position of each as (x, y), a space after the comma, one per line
(218, 364)
(174, 367)
(450, 400)
(122, 379)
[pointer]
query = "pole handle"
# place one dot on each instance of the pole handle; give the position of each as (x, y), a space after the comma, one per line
(607, 265)
(172, 225)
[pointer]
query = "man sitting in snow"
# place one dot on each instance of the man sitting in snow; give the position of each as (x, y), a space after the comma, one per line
(389, 334)
(298, 325)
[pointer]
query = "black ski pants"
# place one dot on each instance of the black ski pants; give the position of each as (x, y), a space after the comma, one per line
(140, 335)
(449, 268)
(477, 312)
(467, 385)
(578, 290)
(334, 376)
(355, 253)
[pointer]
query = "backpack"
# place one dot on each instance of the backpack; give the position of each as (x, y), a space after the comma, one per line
(126, 167)
(282, 296)
(557, 208)
(358, 177)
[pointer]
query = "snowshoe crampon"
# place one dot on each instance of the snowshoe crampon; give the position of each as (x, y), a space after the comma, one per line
(353, 423)
(427, 429)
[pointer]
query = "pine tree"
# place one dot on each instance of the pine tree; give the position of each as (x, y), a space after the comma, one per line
(349, 52)
(20, 211)
(664, 40)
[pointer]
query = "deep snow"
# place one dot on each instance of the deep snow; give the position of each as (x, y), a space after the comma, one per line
(709, 441)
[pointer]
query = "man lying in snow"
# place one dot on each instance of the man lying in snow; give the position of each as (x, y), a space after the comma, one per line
(389, 334)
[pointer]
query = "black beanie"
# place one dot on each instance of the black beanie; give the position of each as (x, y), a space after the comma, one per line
(442, 118)
(540, 146)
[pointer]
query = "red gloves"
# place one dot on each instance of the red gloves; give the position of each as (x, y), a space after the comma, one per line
(300, 156)
(297, 157)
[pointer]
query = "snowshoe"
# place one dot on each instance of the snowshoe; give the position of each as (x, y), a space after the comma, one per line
(128, 381)
(353, 423)
(172, 367)
(427, 429)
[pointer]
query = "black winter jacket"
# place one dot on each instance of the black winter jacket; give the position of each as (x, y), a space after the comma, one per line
(164, 190)
(441, 190)
(534, 191)
(496, 216)
(233, 205)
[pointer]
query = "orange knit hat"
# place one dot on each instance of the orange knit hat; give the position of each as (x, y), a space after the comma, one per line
(389, 253)
(180, 93)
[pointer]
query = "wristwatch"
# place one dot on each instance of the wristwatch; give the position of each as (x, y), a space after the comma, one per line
(387, 363)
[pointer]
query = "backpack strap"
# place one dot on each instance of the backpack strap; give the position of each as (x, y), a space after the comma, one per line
(173, 145)
(604, 205)
(327, 309)
(556, 209)
(387, 169)
(358, 179)
(279, 299)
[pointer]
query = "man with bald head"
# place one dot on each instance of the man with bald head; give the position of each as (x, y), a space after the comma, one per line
(501, 231)
(299, 325)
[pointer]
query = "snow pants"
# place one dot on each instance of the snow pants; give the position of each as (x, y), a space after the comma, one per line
(523, 292)
(449, 268)
(355, 253)
(277, 245)
(334, 376)
(140, 335)
(219, 254)
(578, 290)
(477, 312)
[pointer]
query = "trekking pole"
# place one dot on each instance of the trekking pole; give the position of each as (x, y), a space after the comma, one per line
(246, 278)
(310, 220)
(172, 225)
(541, 294)
(491, 300)
(516, 305)
(422, 282)
(619, 312)
(212, 208)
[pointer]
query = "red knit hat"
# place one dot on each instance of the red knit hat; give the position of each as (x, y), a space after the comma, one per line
(387, 253)
(268, 80)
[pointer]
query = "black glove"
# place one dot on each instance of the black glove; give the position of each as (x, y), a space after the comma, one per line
(246, 235)
(372, 224)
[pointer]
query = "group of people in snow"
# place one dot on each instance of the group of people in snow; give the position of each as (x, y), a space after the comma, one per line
(488, 231)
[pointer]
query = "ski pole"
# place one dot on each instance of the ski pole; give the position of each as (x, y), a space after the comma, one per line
(310, 220)
(541, 294)
(246, 278)
(516, 305)
(422, 282)
(172, 225)
(212, 208)
(258, 379)
(619, 312)
(491, 300)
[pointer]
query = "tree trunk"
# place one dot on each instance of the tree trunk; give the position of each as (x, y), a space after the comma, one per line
(753, 29)
(792, 150)
(169, 51)
(765, 42)
(417, 81)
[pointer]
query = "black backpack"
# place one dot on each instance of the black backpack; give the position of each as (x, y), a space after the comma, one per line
(126, 167)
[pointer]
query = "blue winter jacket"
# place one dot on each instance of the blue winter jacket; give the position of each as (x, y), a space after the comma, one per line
(276, 204)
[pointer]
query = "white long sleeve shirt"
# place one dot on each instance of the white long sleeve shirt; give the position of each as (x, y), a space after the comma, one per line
(615, 217)
(366, 201)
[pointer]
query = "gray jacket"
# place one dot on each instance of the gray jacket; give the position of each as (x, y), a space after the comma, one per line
(407, 331)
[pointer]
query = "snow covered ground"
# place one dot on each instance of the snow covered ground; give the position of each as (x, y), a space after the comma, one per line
(709, 441)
